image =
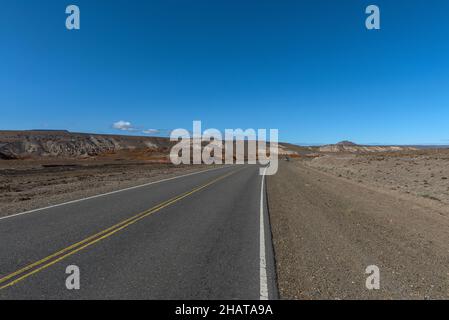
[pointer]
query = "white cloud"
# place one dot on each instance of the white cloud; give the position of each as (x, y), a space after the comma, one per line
(123, 125)
(151, 131)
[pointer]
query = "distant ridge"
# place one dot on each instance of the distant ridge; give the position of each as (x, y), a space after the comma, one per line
(346, 143)
(65, 144)
(351, 147)
(49, 130)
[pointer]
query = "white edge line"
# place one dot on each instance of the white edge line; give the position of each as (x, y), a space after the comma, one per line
(108, 193)
(262, 260)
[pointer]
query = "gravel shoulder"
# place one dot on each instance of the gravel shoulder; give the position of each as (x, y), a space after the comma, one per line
(327, 230)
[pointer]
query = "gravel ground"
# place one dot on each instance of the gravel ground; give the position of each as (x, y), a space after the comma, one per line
(327, 230)
(422, 173)
(28, 185)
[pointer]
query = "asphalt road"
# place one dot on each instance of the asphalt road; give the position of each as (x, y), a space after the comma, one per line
(194, 237)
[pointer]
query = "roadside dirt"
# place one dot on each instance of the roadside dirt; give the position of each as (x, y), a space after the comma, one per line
(27, 185)
(423, 173)
(328, 229)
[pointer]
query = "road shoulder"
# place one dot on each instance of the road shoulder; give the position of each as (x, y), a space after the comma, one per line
(326, 231)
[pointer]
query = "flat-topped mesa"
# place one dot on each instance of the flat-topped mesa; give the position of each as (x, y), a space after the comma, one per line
(64, 144)
(351, 147)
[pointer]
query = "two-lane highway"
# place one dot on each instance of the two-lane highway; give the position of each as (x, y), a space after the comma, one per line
(201, 236)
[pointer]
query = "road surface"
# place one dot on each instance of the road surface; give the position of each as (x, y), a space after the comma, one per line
(200, 236)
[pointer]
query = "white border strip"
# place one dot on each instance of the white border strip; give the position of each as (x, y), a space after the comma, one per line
(109, 193)
(262, 260)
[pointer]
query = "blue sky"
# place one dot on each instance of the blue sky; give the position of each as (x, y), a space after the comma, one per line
(307, 68)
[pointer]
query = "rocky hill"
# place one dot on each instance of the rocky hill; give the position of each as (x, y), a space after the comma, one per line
(48, 144)
(64, 144)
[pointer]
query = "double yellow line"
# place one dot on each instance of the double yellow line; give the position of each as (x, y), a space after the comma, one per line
(25, 272)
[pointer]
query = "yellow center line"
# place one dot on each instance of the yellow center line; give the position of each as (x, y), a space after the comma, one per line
(78, 246)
